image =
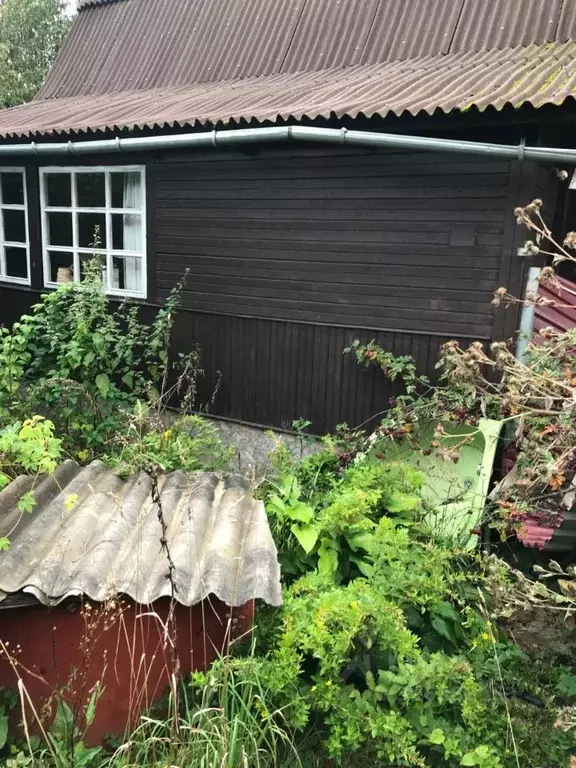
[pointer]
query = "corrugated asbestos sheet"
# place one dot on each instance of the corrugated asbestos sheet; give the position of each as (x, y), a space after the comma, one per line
(117, 45)
(537, 75)
(95, 534)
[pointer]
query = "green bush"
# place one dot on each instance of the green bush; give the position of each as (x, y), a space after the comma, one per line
(190, 443)
(83, 365)
(384, 646)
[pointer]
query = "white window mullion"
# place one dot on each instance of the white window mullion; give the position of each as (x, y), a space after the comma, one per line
(74, 201)
(109, 244)
(135, 281)
(23, 245)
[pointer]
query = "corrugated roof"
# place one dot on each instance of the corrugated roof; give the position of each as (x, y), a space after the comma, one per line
(95, 534)
(537, 75)
(116, 45)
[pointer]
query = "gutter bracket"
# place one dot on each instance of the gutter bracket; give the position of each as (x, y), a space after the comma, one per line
(214, 138)
(522, 150)
(343, 132)
(34, 148)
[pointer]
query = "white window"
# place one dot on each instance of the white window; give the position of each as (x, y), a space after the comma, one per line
(90, 212)
(14, 246)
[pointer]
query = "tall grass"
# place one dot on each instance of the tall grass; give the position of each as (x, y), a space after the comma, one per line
(226, 724)
(219, 719)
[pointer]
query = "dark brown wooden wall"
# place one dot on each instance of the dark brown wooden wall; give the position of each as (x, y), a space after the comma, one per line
(293, 253)
(399, 241)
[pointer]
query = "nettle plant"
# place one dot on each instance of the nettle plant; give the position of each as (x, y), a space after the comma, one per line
(83, 365)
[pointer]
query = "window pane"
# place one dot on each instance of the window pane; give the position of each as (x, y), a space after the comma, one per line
(16, 263)
(14, 226)
(91, 190)
(60, 229)
(61, 267)
(126, 190)
(12, 188)
(92, 230)
(58, 189)
(127, 232)
(127, 274)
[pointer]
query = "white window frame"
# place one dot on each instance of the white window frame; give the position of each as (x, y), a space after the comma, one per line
(9, 243)
(108, 210)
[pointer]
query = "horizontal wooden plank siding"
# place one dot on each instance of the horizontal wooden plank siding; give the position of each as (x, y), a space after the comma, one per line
(407, 241)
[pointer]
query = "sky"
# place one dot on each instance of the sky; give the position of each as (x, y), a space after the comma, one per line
(71, 5)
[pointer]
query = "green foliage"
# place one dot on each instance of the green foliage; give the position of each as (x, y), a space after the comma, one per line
(82, 365)
(28, 447)
(325, 518)
(190, 443)
(224, 719)
(31, 33)
(383, 646)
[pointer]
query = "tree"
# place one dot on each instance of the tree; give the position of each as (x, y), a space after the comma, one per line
(31, 33)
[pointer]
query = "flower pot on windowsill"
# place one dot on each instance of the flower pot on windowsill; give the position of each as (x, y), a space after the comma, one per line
(64, 275)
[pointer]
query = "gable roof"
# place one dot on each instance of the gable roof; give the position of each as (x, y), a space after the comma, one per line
(92, 533)
(129, 63)
(536, 75)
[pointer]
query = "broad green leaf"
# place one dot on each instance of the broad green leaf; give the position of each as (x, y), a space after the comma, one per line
(89, 357)
(469, 759)
(103, 384)
(27, 502)
(128, 379)
(437, 736)
(361, 540)
(307, 536)
(399, 502)
(3, 730)
(327, 558)
(443, 628)
(4, 544)
(300, 511)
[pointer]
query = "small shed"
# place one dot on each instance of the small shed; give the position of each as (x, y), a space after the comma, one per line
(123, 583)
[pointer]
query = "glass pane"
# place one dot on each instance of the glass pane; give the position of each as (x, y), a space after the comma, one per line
(127, 274)
(92, 230)
(96, 264)
(60, 229)
(16, 262)
(126, 189)
(61, 267)
(127, 232)
(91, 190)
(58, 189)
(12, 187)
(14, 226)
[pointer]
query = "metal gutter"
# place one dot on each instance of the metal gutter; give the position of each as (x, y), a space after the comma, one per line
(269, 135)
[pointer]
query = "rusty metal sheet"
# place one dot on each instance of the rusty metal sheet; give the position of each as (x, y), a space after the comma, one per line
(92, 533)
(537, 75)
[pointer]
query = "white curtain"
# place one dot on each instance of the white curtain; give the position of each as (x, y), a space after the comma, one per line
(132, 232)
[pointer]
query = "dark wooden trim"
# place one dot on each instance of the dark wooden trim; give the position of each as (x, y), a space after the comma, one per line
(35, 227)
(522, 179)
(151, 250)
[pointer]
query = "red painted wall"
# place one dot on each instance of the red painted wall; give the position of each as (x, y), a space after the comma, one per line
(130, 649)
